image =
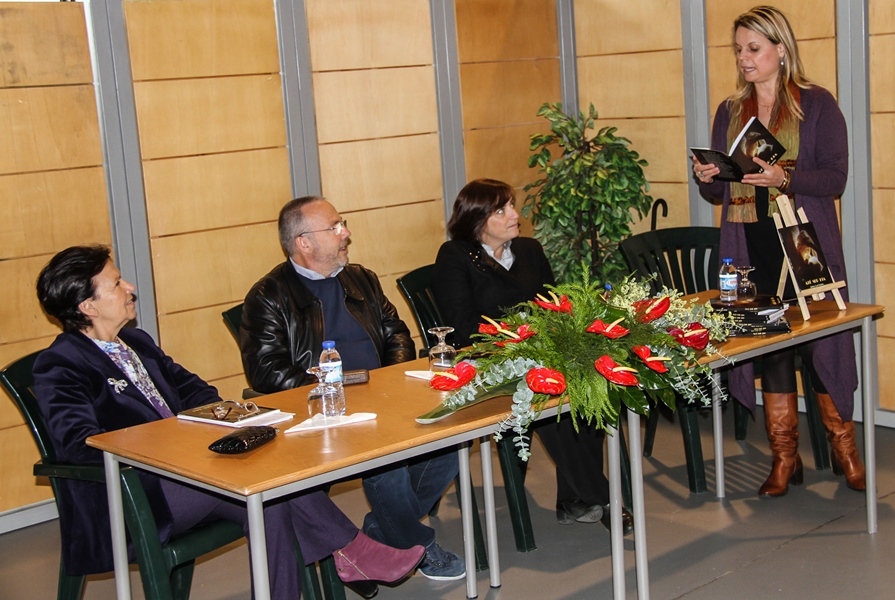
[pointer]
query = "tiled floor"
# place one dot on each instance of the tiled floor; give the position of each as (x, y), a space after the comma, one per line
(811, 543)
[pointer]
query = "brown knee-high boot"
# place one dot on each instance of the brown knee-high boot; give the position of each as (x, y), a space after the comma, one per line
(842, 444)
(782, 420)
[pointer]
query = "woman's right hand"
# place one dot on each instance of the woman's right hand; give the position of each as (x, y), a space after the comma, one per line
(704, 173)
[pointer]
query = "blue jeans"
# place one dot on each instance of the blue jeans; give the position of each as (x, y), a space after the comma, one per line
(402, 494)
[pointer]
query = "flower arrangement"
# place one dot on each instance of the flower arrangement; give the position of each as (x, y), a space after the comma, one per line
(597, 349)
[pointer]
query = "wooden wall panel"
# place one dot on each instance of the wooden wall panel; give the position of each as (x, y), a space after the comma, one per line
(502, 153)
(192, 38)
(809, 18)
(38, 214)
(658, 141)
(659, 95)
(19, 455)
(220, 355)
(384, 172)
(885, 349)
(631, 26)
(884, 276)
(882, 69)
(414, 233)
(358, 34)
(881, 17)
(20, 311)
(201, 116)
(504, 93)
(676, 195)
(212, 268)
(28, 60)
(232, 387)
(504, 30)
(882, 149)
(216, 190)
(48, 128)
(405, 103)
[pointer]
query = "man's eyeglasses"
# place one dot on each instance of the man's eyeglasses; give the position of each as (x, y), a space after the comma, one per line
(223, 409)
(336, 229)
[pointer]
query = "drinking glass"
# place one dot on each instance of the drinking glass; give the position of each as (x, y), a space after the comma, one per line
(322, 398)
(746, 291)
(441, 356)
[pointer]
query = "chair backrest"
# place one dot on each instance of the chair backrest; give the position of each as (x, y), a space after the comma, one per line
(416, 287)
(18, 380)
(233, 317)
(683, 258)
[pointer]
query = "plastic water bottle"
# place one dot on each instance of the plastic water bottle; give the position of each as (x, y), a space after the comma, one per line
(727, 281)
(331, 365)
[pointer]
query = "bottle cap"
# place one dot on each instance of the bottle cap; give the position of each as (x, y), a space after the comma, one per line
(725, 261)
(329, 344)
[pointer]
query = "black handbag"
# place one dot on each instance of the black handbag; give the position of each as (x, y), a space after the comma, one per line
(244, 439)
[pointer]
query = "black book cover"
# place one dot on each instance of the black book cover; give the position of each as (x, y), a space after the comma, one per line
(805, 256)
(747, 329)
(753, 140)
(762, 302)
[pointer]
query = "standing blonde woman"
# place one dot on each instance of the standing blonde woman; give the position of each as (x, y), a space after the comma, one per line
(771, 85)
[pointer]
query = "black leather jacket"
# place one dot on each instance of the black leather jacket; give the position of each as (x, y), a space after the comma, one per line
(282, 326)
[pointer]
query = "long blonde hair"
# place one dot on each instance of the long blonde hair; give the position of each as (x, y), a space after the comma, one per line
(772, 24)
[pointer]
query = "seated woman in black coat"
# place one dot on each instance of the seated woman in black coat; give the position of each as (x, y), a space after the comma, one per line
(99, 376)
(485, 268)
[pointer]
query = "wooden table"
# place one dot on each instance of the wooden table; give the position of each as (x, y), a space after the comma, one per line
(295, 462)
(826, 319)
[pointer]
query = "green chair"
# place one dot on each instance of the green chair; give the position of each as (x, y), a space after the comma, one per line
(166, 571)
(416, 287)
(687, 259)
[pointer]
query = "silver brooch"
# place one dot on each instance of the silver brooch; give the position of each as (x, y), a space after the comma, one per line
(117, 384)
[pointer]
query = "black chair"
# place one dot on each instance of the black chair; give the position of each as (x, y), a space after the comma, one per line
(416, 287)
(166, 571)
(687, 259)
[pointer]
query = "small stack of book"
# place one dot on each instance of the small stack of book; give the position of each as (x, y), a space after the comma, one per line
(761, 316)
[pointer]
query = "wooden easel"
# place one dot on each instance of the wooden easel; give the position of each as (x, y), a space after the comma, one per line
(785, 217)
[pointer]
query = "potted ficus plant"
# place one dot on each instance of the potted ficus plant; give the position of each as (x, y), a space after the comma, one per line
(586, 198)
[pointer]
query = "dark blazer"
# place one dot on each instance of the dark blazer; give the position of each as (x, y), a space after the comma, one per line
(468, 283)
(71, 383)
(282, 326)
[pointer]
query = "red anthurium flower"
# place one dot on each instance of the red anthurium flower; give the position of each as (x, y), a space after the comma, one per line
(454, 378)
(523, 332)
(614, 372)
(656, 363)
(542, 380)
(612, 330)
(554, 303)
(694, 336)
(652, 308)
(491, 328)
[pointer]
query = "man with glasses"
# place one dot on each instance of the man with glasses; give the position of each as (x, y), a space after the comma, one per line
(316, 295)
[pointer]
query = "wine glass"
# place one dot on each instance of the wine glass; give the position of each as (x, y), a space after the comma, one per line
(746, 291)
(322, 398)
(441, 355)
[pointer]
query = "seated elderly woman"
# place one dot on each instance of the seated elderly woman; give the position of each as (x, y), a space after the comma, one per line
(485, 268)
(98, 376)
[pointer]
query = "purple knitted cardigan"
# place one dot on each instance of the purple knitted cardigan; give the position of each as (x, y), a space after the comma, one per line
(818, 178)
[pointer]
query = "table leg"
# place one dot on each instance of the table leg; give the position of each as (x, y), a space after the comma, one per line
(466, 517)
(258, 547)
(718, 434)
(868, 396)
(490, 518)
(640, 554)
(615, 515)
(116, 519)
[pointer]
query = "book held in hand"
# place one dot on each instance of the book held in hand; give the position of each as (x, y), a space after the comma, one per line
(231, 413)
(753, 140)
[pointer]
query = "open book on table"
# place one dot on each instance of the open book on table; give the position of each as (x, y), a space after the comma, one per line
(754, 140)
(231, 413)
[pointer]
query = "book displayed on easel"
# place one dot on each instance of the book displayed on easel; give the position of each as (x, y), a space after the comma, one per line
(753, 140)
(804, 259)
